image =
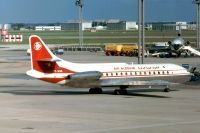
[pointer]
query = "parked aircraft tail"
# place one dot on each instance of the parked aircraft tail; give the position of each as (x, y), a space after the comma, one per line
(42, 59)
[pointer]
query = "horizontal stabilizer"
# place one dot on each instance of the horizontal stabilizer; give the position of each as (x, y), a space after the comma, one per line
(48, 60)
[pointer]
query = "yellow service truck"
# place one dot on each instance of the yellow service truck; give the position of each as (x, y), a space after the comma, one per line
(113, 49)
(130, 50)
(121, 49)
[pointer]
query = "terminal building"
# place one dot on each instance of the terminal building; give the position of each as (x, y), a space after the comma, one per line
(70, 26)
(48, 28)
(100, 25)
(171, 25)
(121, 25)
(74, 25)
(116, 25)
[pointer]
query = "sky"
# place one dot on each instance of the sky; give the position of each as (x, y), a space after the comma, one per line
(51, 11)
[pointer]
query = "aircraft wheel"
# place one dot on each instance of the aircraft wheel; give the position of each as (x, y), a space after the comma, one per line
(116, 92)
(99, 91)
(167, 89)
(124, 92)
(95, 91)
(179, 54)
(120, 92)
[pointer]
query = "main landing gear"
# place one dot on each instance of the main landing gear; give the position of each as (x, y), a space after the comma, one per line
(121, 91)
(167, 89)
(95, 91)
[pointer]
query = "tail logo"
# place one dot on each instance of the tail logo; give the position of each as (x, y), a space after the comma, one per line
(37, 46)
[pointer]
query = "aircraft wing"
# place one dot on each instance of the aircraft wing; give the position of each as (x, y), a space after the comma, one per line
(159, 54)
(192, 50)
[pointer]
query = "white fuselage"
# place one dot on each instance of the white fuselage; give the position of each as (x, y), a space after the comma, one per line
(50, 68)
(116, 71)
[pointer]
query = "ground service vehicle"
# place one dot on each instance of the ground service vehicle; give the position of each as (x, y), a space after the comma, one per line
(121, 49)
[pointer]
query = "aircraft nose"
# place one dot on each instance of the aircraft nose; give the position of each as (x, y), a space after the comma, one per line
(176, 46)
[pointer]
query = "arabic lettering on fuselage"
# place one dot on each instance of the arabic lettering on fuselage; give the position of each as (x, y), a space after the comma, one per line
(137, 68)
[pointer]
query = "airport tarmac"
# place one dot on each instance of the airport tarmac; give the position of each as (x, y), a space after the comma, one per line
(32, 106)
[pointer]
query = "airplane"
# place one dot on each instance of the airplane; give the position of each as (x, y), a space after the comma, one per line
(177, 46)
(48, 67)
(174, 48)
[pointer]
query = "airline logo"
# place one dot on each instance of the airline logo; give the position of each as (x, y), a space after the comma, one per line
(37, 46)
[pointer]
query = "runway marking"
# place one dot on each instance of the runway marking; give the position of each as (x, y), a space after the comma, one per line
(142, 126)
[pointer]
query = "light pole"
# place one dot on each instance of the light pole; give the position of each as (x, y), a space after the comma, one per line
(79, 3)
(197, 2)
(141, 31)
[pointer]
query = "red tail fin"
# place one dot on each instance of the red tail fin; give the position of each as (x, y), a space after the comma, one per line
(42, 59)
(41, 56)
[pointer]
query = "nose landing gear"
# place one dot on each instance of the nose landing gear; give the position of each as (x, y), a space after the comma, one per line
(95, 91)
(167, 89)
(121, 91)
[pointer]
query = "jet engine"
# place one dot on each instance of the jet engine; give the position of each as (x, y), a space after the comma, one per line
(92, 75)
(187, 43)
